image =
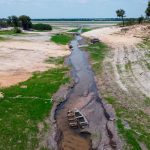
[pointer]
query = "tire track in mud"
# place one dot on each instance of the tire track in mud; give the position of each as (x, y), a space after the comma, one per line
(135, 78)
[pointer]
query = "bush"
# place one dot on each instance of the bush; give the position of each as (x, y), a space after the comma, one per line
(41, 26)
(17, 30)
(130, 22)
(140, 20)
(3, 24)
(25, 22)
(63, 38)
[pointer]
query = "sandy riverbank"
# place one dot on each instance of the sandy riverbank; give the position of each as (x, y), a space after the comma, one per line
(22, 55)
(124, 51)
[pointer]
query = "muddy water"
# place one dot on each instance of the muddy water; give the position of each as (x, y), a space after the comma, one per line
(84, 97)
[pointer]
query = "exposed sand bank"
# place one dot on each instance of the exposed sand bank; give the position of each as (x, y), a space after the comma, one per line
(19, 57)
(125, 53)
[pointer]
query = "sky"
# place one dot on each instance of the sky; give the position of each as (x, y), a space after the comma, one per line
(71, 8)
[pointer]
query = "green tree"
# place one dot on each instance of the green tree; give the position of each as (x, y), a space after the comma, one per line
(140, 20)
(15, 21)
(121, 14)
(9, 21)
(25, 22)
(148, 10)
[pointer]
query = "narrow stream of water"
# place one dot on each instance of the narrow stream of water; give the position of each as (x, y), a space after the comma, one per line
(82, 72)
(85, 98)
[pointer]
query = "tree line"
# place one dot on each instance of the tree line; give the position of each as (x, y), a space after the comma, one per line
(121, 14)
(23, 22)
(14, 21)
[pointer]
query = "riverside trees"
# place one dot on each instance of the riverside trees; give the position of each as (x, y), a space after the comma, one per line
(148, 10)
(121, 14)
(22, 21)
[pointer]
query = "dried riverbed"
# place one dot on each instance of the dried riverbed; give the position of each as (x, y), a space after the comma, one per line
(83, 95)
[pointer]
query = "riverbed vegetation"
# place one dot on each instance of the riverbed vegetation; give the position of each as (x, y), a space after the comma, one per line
(137, 131)
(86, 30)
(2, 39)
(42, 27)
(14, 31)
(62, 38)
(25, 105)
(77, 30)
(74, 30)
(97, 54)
(55, 60)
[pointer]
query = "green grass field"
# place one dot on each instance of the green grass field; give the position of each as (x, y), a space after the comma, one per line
(63, 38)
(24, 106)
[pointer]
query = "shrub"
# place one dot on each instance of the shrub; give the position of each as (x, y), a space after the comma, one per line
(3, 24)
(17, 30)
(130, 22)
(140, 20)
(25, 22)
(41, 26)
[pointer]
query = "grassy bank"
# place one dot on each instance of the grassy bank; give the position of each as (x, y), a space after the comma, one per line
(9, 32)
(55, 61)
(97, 54)
(145, 43)
(133, 124)
(63, 38)
(74, 30)
(2, 39)
(138, 130)
(26, 105)
(86, 30)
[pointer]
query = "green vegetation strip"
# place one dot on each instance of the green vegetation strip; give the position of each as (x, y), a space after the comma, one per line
(2, 39)
(86, 30)
(42, 27)
(63, 38)
(145, 43)
(9, 32)
(74, 30)
(24, 106)
(55, 60)
(128, 134)
(83, 30)
(97, 55)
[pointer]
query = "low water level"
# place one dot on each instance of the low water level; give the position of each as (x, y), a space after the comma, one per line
(85, 98)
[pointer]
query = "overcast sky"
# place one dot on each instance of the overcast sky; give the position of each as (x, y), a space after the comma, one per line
(71, 8)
